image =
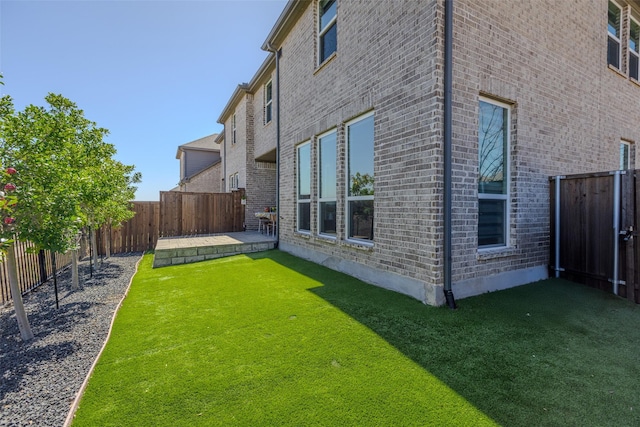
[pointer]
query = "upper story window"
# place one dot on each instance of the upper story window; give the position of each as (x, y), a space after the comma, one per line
(360, 178)
(268, 102)
(614, 31)
(233, 130)
(303, 199)
(327, 29)
(634, 48)
(493, 179)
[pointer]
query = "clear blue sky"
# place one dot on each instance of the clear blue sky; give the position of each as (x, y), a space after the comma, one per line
(157, 74)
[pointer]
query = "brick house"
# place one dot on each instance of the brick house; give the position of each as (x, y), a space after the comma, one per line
(535, 91)
(249, 142)
(200, 165)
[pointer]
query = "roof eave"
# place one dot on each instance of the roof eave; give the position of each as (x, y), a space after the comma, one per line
(292, 11)
(240, 91)
(267, 66)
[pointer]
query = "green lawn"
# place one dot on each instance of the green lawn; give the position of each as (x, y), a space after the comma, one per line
(272, 340)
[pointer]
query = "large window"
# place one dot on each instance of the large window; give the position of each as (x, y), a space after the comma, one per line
(493, 179)
(360, 178)
(327, 29)
(634, 48)
(304, 187)
(614, 30)
(327, 184)
(268, 102)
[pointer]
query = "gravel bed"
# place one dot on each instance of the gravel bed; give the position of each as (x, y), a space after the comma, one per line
(39, 379)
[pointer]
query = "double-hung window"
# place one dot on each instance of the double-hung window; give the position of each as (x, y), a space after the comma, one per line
(234, 181)
(303, 152)
(327, 184)
(268, 102)
(327, 29)
(360, 178)
(614, 31)
(493, 179)
(634, 48)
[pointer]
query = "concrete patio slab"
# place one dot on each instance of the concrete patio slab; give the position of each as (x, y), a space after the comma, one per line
(183, 250)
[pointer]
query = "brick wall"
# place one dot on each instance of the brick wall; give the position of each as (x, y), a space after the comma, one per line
(387, 62)
(235, 155)
(546, 59)
(570, 112)
(256, 177)
(207, 181)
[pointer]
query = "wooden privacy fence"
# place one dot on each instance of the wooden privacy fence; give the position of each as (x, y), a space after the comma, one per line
(177, 214)
(594, 239)
(33, 269)
(139, 234)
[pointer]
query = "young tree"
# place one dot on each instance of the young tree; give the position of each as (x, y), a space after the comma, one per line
(7, 250)
(107, 192)
(68, 178)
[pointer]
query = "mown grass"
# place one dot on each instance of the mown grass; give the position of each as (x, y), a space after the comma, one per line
(272, 340)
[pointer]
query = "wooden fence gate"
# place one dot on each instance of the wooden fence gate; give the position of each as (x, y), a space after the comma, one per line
(594, 238)
(189, 214)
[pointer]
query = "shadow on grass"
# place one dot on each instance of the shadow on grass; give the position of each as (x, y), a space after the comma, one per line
(549, 353)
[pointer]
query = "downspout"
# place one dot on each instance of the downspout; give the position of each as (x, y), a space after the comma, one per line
(557, 228)
(447, 195)
(616, 230)
(276, 52)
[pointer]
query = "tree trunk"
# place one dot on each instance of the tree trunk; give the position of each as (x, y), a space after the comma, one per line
(107, 242)
(94, 246)
(21, 314)
(75, 283)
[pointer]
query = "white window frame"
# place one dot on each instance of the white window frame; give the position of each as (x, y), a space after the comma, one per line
(507, 171)
(234, 181)
(615, 38)
(628, 148)
(323, 30)
(319, 173)
(300, 201)
(633, 52)
(268, 103)
(346, 193)
(233, 129)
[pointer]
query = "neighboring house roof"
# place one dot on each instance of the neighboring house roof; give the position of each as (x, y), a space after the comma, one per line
(195, 175)
(208, 143)
(197, 156)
